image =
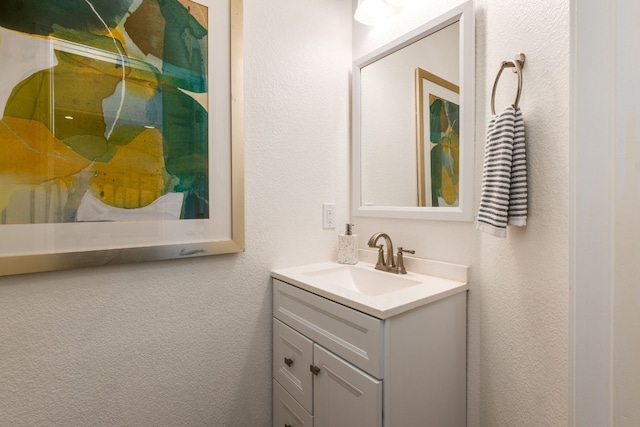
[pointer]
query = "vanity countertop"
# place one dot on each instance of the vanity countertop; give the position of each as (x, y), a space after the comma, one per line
(379, 294)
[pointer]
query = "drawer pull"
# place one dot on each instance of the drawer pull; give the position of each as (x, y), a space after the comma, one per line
(288, 361)
(314, 370)
(288, 425)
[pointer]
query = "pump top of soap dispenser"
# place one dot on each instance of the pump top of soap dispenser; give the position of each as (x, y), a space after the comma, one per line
(348, 231)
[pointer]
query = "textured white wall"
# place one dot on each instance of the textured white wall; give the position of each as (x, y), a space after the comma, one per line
(188, 343)
(518, 303)
(523, 303)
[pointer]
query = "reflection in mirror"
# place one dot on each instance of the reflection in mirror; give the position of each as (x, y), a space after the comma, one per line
(438, 139)
(413, 123)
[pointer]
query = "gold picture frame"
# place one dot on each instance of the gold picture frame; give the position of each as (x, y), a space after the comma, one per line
(439, 164)
(38, 245)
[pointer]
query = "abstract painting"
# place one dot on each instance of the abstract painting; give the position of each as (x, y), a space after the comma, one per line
(438, 125)
(104, 106)
(444, 138)
(104, 111)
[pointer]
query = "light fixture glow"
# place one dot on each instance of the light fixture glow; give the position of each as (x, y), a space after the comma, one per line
(370, 12)
(397, 3)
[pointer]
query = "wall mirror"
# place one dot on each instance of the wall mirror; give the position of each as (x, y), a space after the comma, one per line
(413, 123)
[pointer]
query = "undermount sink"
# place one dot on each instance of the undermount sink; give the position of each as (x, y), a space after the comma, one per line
(364, 281)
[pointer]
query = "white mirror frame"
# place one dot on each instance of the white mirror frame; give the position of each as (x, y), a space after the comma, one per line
(464, 13)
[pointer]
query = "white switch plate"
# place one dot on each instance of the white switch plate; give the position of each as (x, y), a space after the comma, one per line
(329, 215)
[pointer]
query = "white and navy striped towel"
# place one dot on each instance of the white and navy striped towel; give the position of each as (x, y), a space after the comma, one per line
(503, 199)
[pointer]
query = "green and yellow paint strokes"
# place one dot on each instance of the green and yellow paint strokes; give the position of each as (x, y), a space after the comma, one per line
(102, 97)
(445, 151)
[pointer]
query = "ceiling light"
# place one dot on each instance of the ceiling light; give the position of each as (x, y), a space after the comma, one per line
(371, 12)
(398, 3)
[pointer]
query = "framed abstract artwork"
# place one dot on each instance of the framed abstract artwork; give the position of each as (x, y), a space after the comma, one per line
(121, 132)
(438, 140)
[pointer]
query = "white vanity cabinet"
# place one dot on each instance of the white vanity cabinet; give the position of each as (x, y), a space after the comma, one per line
(334, 366)
(335, 391)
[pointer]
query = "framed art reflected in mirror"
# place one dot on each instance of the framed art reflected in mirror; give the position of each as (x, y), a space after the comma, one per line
(438, 140)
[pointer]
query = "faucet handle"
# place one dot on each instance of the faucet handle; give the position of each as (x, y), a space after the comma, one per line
(400, 260)
(380, 264)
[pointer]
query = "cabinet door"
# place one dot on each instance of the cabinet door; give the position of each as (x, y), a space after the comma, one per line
(292, 356)
(344, 396)
(286, 411)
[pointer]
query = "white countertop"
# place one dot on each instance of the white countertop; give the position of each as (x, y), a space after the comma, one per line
(445, 280)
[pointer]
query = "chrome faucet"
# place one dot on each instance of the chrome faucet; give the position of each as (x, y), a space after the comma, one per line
(382, 264)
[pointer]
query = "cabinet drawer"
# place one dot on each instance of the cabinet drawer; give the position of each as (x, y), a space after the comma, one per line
(288, 412)
(292, 356)
(355, 336)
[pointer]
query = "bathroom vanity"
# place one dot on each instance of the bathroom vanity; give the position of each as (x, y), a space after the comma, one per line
(353, 346)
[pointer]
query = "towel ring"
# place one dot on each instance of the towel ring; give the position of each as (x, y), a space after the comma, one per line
(517, 64)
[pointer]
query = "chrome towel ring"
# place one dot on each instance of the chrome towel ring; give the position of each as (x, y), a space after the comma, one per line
(517, 64)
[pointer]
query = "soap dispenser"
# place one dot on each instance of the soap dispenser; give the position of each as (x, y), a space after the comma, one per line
(348, 247)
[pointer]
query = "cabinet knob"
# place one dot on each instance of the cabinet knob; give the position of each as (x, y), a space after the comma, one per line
(314, 370)
(288, 361)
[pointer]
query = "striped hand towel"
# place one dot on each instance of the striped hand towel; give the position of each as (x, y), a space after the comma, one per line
(503, 199)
